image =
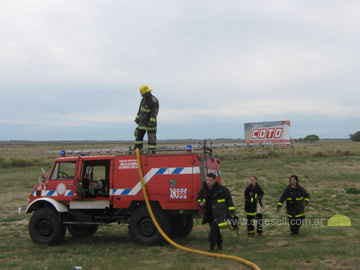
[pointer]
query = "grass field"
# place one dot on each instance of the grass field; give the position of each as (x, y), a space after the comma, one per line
(330, 171)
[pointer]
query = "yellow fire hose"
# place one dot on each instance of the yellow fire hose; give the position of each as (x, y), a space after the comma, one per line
(216, 255)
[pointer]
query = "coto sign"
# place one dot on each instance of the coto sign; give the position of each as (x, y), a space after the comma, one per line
(266, 133)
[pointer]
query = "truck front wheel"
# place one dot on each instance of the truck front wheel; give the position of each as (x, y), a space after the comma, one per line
(45, 227)
(143, 231)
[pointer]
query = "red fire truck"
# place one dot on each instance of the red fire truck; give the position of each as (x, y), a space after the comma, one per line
(83, 192)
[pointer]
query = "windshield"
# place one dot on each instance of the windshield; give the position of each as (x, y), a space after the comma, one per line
(64, 170)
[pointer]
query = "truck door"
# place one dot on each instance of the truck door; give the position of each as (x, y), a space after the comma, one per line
(93, 187)
(61, 182)
(95, 178)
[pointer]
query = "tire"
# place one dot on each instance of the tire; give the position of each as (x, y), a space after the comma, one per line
(45, 227)
(79, 230)
(181, 225)
(143, 231)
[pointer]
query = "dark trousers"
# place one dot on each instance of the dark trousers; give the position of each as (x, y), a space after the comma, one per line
(214, 234)
(295, 224)
(251, 223)
(139, 136)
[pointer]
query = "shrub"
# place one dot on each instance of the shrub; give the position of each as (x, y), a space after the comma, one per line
(355, 136)
(318, 154)
(2, 162)
(20, 162)
(311, 138)
(352, 190)
(274, 154)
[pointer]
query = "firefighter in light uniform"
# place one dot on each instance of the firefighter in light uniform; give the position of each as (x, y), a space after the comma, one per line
(218, 206)
(253, 196)
(296, 199)
(146, 119)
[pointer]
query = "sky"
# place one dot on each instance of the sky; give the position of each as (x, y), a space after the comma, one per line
(71, 70)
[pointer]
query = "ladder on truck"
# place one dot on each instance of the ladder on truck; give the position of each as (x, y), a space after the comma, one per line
(201, 146)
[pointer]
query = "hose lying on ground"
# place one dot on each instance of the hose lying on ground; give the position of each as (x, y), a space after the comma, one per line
(216, 255)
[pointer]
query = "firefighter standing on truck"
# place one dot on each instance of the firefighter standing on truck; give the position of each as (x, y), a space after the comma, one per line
(296, 199)
(218, 205)
(253, 206)
(146, 119)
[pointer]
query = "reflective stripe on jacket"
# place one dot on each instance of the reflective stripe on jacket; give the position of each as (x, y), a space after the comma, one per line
(222, 203)
(251, 201)
(147, 113)
(294, 198)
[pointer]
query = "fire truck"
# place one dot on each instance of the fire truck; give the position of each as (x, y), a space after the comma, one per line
(83, 192)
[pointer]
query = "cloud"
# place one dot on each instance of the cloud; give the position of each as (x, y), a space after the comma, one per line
(268, 108)
(72, 63)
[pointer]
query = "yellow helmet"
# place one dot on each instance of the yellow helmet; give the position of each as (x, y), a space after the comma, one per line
(144, 89)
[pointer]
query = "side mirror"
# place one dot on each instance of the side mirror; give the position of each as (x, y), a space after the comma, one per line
(43, 175)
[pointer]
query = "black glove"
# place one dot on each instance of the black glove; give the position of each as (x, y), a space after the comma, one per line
(234, 222)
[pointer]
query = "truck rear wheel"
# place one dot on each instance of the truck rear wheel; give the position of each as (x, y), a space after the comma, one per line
(82, 230)
(181, 225)
(45, 227)
(142, 230)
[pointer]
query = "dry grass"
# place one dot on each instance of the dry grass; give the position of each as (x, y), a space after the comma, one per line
(324, 169)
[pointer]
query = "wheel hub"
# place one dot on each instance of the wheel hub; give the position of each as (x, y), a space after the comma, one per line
(147, 227)
(45, 227)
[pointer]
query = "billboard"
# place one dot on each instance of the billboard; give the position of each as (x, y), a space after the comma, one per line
(275, 132)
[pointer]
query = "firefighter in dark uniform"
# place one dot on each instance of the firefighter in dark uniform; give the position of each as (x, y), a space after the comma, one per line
(218, 206)
(253, 196)
(146, 119)
(296, 198)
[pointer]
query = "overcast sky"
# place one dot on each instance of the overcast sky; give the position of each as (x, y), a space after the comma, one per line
(70, 70)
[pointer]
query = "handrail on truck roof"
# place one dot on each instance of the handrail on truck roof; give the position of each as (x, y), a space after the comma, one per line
(204, 147)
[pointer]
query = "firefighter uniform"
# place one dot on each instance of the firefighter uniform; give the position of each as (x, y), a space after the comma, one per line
(296, 199)
(218, 207)
(146, 119)
(251, 208)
